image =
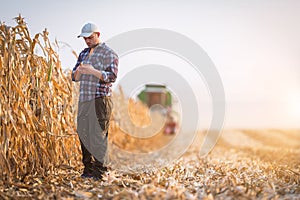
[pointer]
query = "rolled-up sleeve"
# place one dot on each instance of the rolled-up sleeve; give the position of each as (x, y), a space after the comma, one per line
(73, 73)
(79, 60)
(111, 70)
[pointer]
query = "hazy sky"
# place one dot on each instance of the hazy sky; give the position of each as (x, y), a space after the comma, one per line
(254, 44)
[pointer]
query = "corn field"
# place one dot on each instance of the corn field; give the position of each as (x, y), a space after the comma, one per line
(37, 123)
(40, 154)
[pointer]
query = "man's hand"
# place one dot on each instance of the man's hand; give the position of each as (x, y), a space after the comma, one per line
(89, 69)
(86, 69)
(77, 75)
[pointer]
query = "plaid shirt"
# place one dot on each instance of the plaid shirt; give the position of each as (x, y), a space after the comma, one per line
(104, 59)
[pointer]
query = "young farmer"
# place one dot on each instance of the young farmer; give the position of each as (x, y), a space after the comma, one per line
(96, 69)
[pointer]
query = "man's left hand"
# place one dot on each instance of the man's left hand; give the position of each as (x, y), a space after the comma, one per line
(86, 69)
(89, 69)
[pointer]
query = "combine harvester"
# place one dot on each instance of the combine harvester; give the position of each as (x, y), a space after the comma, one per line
(156, 94)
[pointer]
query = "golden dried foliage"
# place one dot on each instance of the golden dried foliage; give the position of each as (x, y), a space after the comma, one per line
(37, 130)
(122, 127)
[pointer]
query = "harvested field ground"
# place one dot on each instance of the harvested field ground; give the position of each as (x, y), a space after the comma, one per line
(245, 164)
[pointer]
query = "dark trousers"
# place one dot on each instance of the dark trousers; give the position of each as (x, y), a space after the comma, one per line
(92, 127)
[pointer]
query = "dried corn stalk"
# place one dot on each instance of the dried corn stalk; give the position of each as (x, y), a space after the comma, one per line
(37, 129)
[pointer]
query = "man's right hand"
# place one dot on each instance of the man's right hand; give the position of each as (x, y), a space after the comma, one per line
(77, 74)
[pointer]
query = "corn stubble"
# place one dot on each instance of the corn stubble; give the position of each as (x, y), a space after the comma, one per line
(40, 153)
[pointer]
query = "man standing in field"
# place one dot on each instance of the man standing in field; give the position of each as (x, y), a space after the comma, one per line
(96, 69)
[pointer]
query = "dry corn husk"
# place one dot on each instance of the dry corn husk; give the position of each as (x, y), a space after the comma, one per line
(36, 110)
